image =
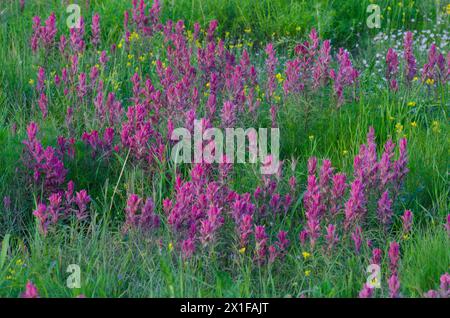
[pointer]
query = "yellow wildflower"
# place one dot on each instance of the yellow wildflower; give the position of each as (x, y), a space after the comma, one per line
(306, 255)
(242, 250)
(307, 273)
(344, 152)
(248, 30)
(411, 104)
(279, 78)
(130, 56)
(429, 81)
(415, 79)
(170, 247)
(399, 127)
(31, 81)
(413, 124)
(134, 36)
(311, 137)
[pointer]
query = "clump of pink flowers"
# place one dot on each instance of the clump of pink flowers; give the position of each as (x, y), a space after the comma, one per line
(45, 164)
(140, 214)
(62, 205)
(444, 288)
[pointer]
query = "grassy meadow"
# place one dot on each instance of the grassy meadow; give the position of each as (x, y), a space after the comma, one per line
(87, 178)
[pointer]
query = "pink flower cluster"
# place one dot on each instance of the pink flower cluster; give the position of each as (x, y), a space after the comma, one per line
(30, 291)
(311, 69)
(326, 205)
(46, 164)
(61, 205)
(437, 67)
(393, 281)
(145, 220)
(143, 23)
(103, 146)
(444, 288)
(43, 35)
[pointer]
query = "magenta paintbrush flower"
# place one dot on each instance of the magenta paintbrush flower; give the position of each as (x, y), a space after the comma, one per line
(346, 75)
(82, 199)
(261, 243)
(429, 68)
(331, 236)
(408, 55)
(376, 256)
(385, 209)
(392, 69)
(394, 286)
(187, 248)
(355, 207)
(337, 192)
(357, 239)
(40, 85)
(314, 208)
(320, 70)
(245, 229)
(95, 30)
(325, 177)
(45, 164)
(42, 215)
(282, 243)
(400, 165)
(43, 105)
(407, 219)
(366, 291)
(394, 256)
(31, 291)
(271, 64)
(82, 87)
